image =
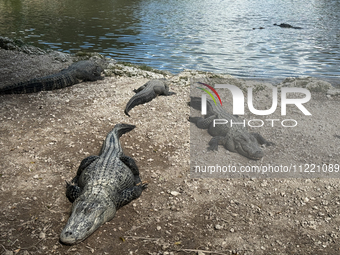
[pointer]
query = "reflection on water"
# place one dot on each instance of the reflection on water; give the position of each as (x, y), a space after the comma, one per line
(210, 35)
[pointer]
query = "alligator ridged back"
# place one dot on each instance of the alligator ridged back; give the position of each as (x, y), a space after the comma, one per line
(83, 70)
(196, 104)
(111, 142)
(212, 108)
(51, 82)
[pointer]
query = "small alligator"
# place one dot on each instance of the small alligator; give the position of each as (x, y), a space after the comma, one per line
(235, 138)
(103, 184)
(258, 28)
(84, 70)
(285, 25)
(147, 92)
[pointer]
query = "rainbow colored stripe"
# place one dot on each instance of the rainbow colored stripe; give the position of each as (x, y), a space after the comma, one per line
(209, 93)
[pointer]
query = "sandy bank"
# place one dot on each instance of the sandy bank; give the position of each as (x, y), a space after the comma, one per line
(44, 136)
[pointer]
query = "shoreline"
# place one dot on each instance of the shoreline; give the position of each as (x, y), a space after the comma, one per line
(45, 135)
(57, 60)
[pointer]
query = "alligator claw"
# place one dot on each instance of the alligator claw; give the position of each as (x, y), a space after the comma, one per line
(143, 183)
(68, 184)
(213, 148)
(270, 144)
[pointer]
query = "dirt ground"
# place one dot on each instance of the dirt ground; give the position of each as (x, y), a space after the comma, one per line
(44, 136)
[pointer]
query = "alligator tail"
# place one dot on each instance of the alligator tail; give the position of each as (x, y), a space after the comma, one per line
(122, 128)
(112, 139)
(141, 97)
(51, 82)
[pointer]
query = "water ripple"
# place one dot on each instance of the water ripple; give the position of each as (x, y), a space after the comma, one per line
(209, 35)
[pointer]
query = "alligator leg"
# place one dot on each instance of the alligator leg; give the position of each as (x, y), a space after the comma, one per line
(72, 189)
(72, 192)
(261, 140)
(163, 91)
(139, 89)
(170, 93)
(214, 142)
(130, 194)
(84, 164)
(202, 123)
(130, 163)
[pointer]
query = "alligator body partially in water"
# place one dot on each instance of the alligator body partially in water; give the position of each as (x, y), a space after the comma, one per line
(285, 25)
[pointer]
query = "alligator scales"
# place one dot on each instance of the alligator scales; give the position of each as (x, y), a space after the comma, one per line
(147, 92)
(235, 138)
(103, 184)
(84, 70)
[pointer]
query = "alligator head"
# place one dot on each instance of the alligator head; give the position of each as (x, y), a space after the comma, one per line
(87, 216)
(245, 144)
(86, 70)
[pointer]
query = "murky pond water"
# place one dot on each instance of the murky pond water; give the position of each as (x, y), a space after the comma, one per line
(209, 35)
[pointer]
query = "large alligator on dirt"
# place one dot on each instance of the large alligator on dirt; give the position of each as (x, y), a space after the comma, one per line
(103, 184)
(147, 92)
(234, 137)
(285, 25)
(85, 70)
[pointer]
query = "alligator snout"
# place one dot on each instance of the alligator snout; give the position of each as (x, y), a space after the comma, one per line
(67, 238)
(247, 145)
(257, 155)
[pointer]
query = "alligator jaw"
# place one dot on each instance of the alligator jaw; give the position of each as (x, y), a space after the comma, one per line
(86, 217)
(248, 147)
(254, 155)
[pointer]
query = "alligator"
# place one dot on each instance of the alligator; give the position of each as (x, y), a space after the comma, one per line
(103, 184)
(147, 92)
(234, 138)
(85, 70)
(285, 25)
(258, 28)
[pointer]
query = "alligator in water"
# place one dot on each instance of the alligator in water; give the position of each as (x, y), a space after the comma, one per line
(234, 138)
(103, 184)
(285, 25)
(85, 70)
(147, 92)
